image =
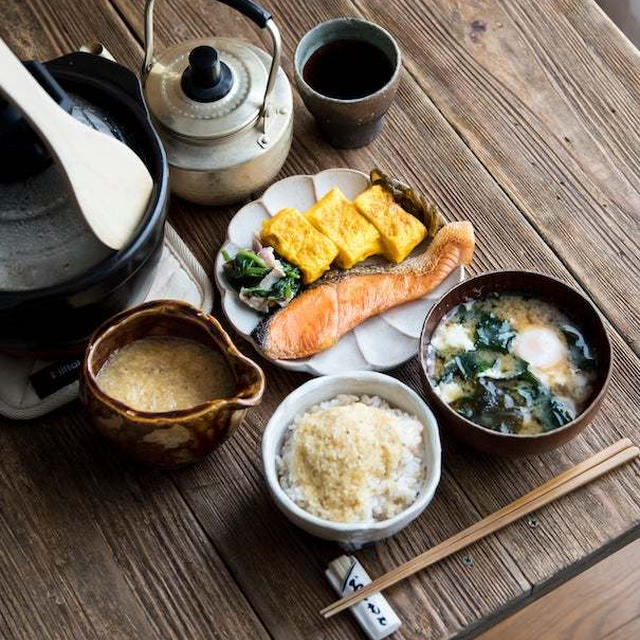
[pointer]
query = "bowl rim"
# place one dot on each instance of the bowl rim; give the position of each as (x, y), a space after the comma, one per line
(431, 437)
(187, 312)
(443, 406)
(298, 67)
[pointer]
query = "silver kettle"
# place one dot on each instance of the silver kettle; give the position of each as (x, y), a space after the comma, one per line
(223, 109)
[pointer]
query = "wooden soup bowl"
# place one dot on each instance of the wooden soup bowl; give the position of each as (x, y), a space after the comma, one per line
(532, 285)
(174, 438)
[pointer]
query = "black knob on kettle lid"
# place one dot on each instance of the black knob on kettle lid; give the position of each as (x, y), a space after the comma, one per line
(207, 78)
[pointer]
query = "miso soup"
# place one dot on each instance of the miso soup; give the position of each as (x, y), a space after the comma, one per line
(512, 364)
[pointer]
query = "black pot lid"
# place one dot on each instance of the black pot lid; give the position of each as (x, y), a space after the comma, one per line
(44, 239)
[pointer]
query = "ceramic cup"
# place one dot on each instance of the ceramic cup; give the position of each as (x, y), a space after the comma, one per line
(356, 122)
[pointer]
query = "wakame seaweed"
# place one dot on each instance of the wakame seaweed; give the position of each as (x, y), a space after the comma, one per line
(502, 404)
(579, 351)
(467, 364)
(493, 332)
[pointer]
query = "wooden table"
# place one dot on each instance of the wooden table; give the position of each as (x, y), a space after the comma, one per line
(611, 614)
(521, 116)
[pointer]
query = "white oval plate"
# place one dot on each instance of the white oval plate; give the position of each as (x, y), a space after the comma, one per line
(379, 343)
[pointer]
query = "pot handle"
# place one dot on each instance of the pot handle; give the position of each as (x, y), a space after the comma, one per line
(251, 10)
(97, 49)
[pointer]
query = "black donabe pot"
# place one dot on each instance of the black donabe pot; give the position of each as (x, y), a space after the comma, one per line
(57, 320)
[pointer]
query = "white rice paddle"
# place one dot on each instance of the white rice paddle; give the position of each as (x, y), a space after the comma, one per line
(111, 185)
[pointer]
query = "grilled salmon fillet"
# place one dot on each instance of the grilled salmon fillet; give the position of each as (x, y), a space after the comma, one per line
(340, 300)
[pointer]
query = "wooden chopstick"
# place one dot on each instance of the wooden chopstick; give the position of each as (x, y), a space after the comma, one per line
(595, 466)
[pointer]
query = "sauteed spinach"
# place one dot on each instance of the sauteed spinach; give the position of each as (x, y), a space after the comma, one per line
(263, 280)
(245, 269)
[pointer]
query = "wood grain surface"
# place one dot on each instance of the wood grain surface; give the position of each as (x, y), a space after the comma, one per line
(628, 631)
(205, 546)
(534, 97)
(93, 547)
(613, 610)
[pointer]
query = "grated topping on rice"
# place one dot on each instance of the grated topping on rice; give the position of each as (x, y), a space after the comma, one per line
(353, 459)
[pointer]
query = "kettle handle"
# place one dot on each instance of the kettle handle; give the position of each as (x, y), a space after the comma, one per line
(251, 10)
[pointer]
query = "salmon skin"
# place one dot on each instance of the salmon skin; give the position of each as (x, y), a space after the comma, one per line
(318, 317)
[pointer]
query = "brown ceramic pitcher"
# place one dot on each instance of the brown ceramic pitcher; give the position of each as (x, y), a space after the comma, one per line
(174, 438)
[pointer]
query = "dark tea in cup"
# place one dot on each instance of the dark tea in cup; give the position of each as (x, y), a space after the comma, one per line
(347, 71)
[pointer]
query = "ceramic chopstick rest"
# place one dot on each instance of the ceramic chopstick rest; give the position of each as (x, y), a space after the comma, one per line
(374, 614)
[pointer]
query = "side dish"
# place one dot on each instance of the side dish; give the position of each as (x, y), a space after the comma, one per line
(297, 240)
(336, 217)
(336, 230)
(353, 459)
(409, 200)
(319, 316)
(165, 374)
(318, 274)
(262, 280)
(512, 364)
(400, 232)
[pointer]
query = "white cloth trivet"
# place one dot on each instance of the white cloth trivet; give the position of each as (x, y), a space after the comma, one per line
(179, 276)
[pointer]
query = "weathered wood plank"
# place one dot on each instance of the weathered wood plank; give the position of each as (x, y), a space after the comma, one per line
(461, 185)
(627, 631)
(529, 88)
(94, 547)
(593, 605)
(42, 29)
(280, 568)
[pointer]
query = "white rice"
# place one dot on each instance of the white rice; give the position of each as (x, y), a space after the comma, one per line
(377, 498)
